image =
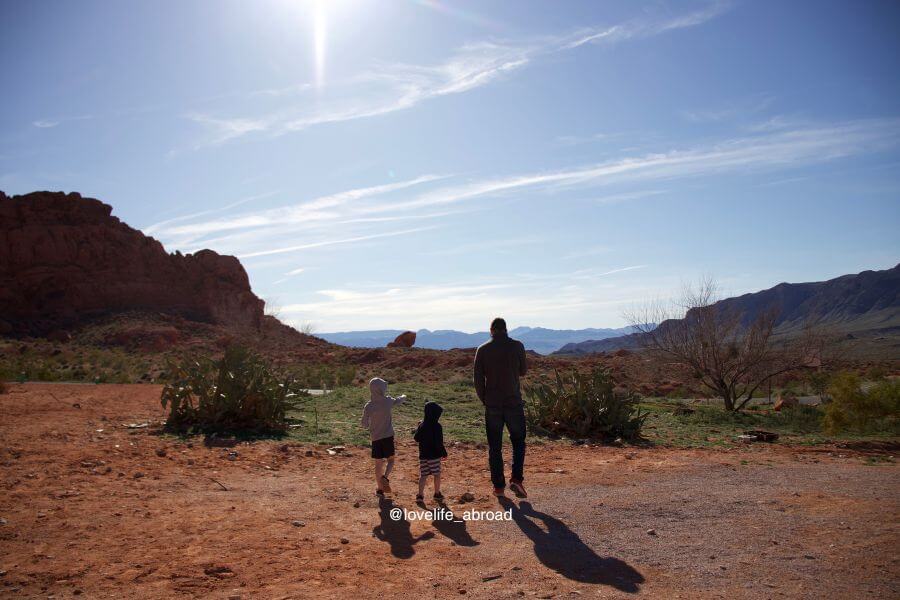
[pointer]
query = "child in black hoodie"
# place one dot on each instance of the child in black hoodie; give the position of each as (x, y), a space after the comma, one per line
(430, 436)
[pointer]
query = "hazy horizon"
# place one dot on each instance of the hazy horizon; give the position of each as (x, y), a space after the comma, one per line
(432, 164)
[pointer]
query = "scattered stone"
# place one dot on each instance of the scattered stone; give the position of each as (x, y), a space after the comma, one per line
(3, 521)
(618, 442)
(336, 450)
(309, 453)
(284, 448)
(356, 504)
(138, 475)
(298, 523)
(232, 455)
(160, 452)
(491, 577)
(461, 590)
(137, 425)
(345, 541)
(218, 571)
(651, 532)
(467, 497)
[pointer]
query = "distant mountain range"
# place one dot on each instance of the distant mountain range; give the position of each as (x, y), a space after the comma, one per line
(538, 339)
(864, 307)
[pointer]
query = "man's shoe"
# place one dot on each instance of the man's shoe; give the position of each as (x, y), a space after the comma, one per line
(518, 489)
(385, 485)
(499, 492)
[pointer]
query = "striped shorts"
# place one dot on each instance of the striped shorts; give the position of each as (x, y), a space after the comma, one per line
(429, 466)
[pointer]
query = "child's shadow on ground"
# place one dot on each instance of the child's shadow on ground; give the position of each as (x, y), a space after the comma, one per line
(559, 548)
(396, 531)
(454, 529)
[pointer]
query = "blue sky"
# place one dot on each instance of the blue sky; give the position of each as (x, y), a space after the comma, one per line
(431, 163)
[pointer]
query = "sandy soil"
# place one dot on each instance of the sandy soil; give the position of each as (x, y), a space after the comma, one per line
(95, 509)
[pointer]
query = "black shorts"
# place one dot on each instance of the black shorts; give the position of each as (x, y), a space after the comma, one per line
(383, 448)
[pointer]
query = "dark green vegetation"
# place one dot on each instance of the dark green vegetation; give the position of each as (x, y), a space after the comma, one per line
(239, 393)
(584, 406)
(862, 409)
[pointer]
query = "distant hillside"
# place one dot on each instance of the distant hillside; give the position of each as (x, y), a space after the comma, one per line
(863, 307)
(538, 339)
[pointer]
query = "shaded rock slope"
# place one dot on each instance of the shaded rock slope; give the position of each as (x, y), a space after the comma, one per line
(65, 258)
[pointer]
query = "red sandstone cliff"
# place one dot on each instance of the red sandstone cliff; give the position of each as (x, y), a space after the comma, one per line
(64, 258)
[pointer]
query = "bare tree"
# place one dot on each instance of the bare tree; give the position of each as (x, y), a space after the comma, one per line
(729, 353)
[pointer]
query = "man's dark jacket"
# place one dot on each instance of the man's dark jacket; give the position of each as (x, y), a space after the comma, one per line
(430, 434)
(499, 363)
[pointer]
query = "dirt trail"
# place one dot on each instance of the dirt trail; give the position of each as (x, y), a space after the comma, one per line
(94, 509)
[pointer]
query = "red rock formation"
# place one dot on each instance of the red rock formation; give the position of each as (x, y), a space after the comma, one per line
(405, 340)
(64, 258)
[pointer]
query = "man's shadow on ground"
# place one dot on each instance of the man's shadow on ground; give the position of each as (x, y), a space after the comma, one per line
(560, 549)
(396, 532)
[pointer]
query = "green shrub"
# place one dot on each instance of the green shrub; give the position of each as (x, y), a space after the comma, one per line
(584, 406)
(318, 376)
(240, 392)
(854, 408)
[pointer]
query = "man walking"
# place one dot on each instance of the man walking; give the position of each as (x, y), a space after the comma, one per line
(499, 363)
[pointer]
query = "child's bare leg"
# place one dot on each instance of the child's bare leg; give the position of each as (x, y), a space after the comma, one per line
(389, 468)
(379, 471)
(422, 480)
(437, 483)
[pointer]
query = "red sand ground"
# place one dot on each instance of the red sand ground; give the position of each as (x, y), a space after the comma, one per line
(92, 508)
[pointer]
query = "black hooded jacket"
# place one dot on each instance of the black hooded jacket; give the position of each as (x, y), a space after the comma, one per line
(499, 363)
(430, 434)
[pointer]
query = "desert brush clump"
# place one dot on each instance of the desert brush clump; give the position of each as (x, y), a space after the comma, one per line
(860, 408)
(584, 406)
(239, 392)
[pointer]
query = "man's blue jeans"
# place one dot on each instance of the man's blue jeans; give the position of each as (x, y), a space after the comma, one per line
(513, 417)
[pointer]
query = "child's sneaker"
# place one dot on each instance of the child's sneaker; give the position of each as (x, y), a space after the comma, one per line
(499, 492)
(379, 493)
(385, 485)
(518, 489)
(438, 497)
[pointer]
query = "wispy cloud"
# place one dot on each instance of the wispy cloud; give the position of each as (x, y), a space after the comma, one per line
(391, 87)
(646, 26)
(783, 149)
(743, 109)
(49, 123)
(319, 208)
(320, 244)
(360, 212)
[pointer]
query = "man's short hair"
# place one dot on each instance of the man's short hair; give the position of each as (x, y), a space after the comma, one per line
(498, 324)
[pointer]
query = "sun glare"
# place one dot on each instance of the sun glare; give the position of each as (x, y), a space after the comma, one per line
(320, 31)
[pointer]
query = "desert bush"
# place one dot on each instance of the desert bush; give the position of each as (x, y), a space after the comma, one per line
(240, 392)
(3, 387)
(860, 409)
(584, 405)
